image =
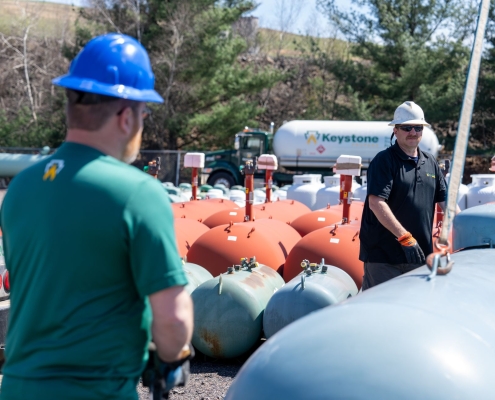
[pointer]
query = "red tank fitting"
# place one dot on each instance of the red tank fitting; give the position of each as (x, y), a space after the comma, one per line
(347, 167)
(194, 161)
(248, 172)
(269, 163)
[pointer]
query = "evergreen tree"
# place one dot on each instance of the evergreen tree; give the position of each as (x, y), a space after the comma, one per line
(403, 50)
(209, 91)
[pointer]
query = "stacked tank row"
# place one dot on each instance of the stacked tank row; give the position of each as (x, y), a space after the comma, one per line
(230, 308)
(281, 234)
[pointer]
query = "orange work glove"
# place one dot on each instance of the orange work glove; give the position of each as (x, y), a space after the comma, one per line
(414, 254)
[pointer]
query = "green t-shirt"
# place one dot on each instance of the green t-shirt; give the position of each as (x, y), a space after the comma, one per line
(86, 238)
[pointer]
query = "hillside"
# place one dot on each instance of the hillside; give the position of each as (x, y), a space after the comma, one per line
(46, 19)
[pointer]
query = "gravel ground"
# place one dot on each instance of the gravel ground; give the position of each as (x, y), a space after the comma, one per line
(210, 380)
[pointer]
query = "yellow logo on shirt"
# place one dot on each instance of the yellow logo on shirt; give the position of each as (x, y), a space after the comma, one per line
(52, 169)
(430, 175)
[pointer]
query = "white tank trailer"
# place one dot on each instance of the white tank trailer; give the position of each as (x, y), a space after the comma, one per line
(318, 144)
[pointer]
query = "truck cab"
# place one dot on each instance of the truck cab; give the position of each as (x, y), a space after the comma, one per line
(224, 166)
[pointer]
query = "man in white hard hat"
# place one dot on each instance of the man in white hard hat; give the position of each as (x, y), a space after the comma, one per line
(492, 165)
(404, 184)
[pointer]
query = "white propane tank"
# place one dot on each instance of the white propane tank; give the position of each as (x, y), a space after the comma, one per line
(259, 196)
(304, 189)
(238, 197)
(361, 192)
(461, 194)
(330, 194)
(279, 195)
(481, 190)
(215, 194)
(317, 144)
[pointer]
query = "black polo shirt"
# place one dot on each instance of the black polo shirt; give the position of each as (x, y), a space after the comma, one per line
(411, 190)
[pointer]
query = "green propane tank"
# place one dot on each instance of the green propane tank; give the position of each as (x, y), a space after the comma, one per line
(228, 309)
(196, 275)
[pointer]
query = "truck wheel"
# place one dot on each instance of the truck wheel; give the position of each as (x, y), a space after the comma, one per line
(221, 177)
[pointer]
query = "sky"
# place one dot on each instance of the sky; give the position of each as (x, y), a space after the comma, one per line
(308, 20)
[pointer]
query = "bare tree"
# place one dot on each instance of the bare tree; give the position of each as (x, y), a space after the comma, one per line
(286, 14)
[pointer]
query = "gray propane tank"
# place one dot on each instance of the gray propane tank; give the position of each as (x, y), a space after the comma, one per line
(317, 287)
(228, 309)
(418, 336)
(474, 227)
(196, 275)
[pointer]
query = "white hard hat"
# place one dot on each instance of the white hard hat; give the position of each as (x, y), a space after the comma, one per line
(409, 113)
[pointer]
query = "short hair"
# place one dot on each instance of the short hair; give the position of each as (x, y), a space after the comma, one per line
(90, 111)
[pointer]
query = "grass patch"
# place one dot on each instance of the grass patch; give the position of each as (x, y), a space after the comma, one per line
(275, 43)
(46, 20)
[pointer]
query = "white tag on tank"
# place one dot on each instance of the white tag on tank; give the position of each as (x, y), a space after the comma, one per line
(232, 213)
(334, 240)
(232, 238)
(321, 219)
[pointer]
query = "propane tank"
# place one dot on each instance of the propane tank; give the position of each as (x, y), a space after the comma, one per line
(202, 209)
(317, 144)
(330, 194)
(474, 227)
(418, 336)
(330, 215)
(282, 210)
(462, 193)
(228, 309)
(337, 244)
(269, 240)
(481, 190)
(12, 164)
(187, 231)
(318, 286)
(305, 188)
(362, 191)
(196, 275)
(238, 197)
(225, 217)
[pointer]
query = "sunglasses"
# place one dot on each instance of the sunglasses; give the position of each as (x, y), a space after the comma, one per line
(409, 128)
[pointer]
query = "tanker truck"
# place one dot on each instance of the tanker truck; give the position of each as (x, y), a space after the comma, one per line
(310, 147)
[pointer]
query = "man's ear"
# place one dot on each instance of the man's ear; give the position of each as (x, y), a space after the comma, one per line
(126, 121)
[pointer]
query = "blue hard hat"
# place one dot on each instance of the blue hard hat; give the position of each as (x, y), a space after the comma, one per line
(112, 65)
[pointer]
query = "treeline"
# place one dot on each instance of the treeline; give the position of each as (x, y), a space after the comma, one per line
(217, 74)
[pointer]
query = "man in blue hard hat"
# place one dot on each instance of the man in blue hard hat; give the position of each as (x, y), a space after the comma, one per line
(90, 246)
(404, 184)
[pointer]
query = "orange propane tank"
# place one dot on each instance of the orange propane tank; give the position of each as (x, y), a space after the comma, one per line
(186, 232)
(224, 217)
(199, 210)
(337, 244)
(269, 240)
(283, 210)
(324, 217)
